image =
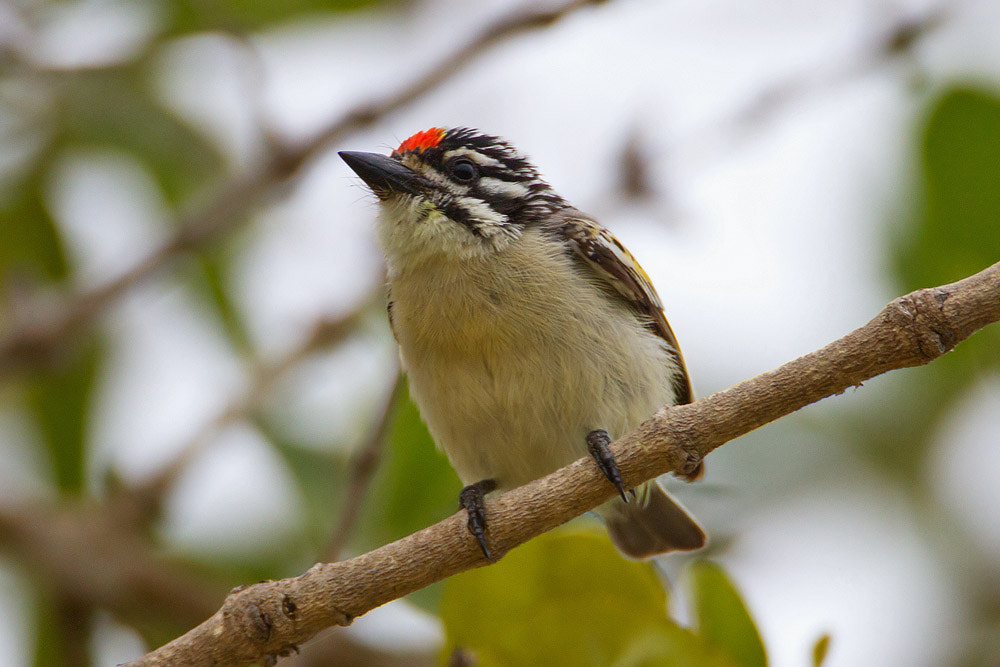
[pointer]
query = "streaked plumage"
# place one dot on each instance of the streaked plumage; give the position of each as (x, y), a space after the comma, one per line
(523, 324)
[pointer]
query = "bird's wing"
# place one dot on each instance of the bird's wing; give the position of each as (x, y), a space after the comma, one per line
(611, 261)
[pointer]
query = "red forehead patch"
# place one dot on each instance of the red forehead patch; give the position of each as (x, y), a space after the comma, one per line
(421, 140)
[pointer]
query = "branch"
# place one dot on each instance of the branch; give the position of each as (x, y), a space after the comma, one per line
(36, 340)
(270, 618)
(93, 556)
(89, 556)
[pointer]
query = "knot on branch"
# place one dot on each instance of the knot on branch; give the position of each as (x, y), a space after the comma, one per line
(267, 617)
(679, 437)
(249, 616)
(923, 319)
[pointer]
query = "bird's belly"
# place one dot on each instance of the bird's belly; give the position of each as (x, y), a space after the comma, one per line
(519, 404)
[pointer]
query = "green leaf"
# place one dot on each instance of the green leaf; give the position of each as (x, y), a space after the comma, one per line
(415, 485)
(820, 650)
(672, 647)
(115, 108)
(31, 244)
(954, 232)
(53, 644)
(239, 15)
(59, 399)
(320, 476)
(951, 233)
(722, 617)
(211, 283)
(48, 643)
(566, 599)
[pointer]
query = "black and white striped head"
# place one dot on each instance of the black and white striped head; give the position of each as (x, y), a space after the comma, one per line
(479, 183)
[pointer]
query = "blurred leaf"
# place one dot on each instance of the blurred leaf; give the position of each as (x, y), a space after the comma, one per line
(48, 643)
(566, 599)
(59, 399)
(955, 233)
(239, 15)
(210, 281)
(672, 646)
(52, 647)
(820, 650)
(415, 485)
(114, 108)
(723, 619)
(951, 234)
(896, 425)
(62, 628)
(31, 243)
(321, 479)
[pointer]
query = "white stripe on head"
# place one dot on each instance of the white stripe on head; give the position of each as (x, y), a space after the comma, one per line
(480, 211)
(496, 186)
(474, 155)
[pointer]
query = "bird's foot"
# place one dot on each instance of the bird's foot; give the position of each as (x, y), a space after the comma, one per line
(598, 443)
(472, 500)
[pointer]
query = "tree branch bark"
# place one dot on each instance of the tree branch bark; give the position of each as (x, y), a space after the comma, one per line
(95, 557)
(271, 617)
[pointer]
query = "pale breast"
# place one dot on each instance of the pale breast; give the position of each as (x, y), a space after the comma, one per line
(511, 371)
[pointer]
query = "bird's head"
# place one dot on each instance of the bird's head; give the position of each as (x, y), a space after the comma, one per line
(455, 191)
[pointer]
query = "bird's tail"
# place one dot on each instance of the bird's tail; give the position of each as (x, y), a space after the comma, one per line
(653, 523)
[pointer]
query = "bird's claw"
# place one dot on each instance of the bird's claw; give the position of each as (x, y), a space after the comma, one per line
(471, 499)
(598, 443)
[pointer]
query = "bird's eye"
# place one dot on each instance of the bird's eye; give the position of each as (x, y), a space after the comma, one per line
(463, 170)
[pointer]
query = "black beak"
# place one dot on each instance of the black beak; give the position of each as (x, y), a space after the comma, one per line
(383, 175)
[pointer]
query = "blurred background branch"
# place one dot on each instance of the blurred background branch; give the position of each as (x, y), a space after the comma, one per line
(362, 466)
(34, 341)
(323, 334)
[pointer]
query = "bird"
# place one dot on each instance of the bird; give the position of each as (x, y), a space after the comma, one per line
(530, 336)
